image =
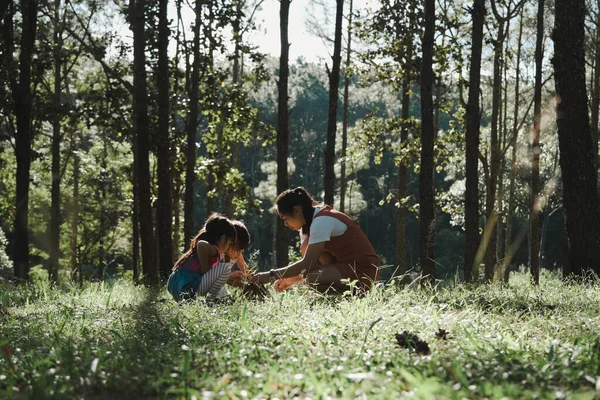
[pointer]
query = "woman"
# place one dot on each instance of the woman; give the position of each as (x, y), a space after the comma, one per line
(333, 247)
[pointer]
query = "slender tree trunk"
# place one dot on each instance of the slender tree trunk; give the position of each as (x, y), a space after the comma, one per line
(502, 144)
(164, 219)
(596, 90)
(513, 159)
(281, 241)
(426, 185)
(192, 125)
(343, 182)
(401, 262)
(334, 81)
(534, 214)
(75, 267)
(580, 193)
(473, 120)
(210, 182)
(492, 184)
(102, 263)
(179, 87)
(135, 219)
(140, 101)
(56, 139)
(176, 218)
(23, 104)
(236, 74)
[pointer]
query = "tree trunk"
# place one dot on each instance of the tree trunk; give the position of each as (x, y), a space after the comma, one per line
(343, 183)
(212, 154)
(236, 74)
(334, 81)
(179, 87)
(580, 193)
(281, 241)
(176, 208)
(135, 219)
(192, 125)
(473, 120)
(503, 144)
(23, 104)
(596, 90)
(513, 162)
(140, 105)
(164, 218)
(102, 263)
(492, 184)
(56, 139)
(426, 185)
(401, 262)
(75, 266)
(534, 214)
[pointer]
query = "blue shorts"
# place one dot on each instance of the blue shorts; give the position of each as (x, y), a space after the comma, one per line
(183, 283)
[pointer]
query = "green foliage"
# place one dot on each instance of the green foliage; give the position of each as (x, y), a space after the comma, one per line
(515, 341)
(5, 263)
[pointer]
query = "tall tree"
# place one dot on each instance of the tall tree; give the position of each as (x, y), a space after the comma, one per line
(74, 232)
(141, 130)
(596, 81)
(163, 210)
(192, 126)
(56, 139)
(347, 76)
(496, 155)
(281, 242)
(22, 108)
(580, 193)
(426, 185)
(513, 160)
(405, 52)
(534, 213)
(334, 82)
(473, 121)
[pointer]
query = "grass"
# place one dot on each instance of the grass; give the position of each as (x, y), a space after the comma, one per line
(121, 341)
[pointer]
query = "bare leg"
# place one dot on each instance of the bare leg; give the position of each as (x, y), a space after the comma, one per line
(327, 278)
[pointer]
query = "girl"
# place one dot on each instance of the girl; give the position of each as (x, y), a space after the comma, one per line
(333, 247)
(199, 270)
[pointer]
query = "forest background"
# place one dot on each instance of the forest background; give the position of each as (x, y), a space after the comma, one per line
(115, 146)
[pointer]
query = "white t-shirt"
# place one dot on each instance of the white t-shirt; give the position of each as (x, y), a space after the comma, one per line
(325, 227)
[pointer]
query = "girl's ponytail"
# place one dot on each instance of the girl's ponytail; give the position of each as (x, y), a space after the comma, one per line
(215, 226)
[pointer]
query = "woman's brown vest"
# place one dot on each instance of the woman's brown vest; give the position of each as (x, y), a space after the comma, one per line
(352, 247)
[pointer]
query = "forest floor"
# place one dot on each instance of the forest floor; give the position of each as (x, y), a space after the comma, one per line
(120, 341)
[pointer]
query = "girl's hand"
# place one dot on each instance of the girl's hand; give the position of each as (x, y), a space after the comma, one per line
(235, 279)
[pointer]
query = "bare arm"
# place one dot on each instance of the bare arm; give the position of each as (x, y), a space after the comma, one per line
(242, 264)
(310, 260)
(205, 250)
(303, 244)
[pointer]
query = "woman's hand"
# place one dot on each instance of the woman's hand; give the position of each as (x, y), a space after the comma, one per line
(285, 283)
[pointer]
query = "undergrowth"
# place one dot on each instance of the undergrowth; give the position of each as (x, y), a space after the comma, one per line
(116, 340)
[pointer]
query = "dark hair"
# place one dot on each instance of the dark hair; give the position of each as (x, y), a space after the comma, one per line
(215, 226)
(242, 240)
(286, 201)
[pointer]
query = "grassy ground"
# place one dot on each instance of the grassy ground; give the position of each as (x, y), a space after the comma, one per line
(121, 341)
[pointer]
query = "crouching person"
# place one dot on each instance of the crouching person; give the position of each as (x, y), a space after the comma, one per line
(202, 271)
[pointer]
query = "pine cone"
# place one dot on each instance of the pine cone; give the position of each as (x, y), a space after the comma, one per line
(411, 341)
